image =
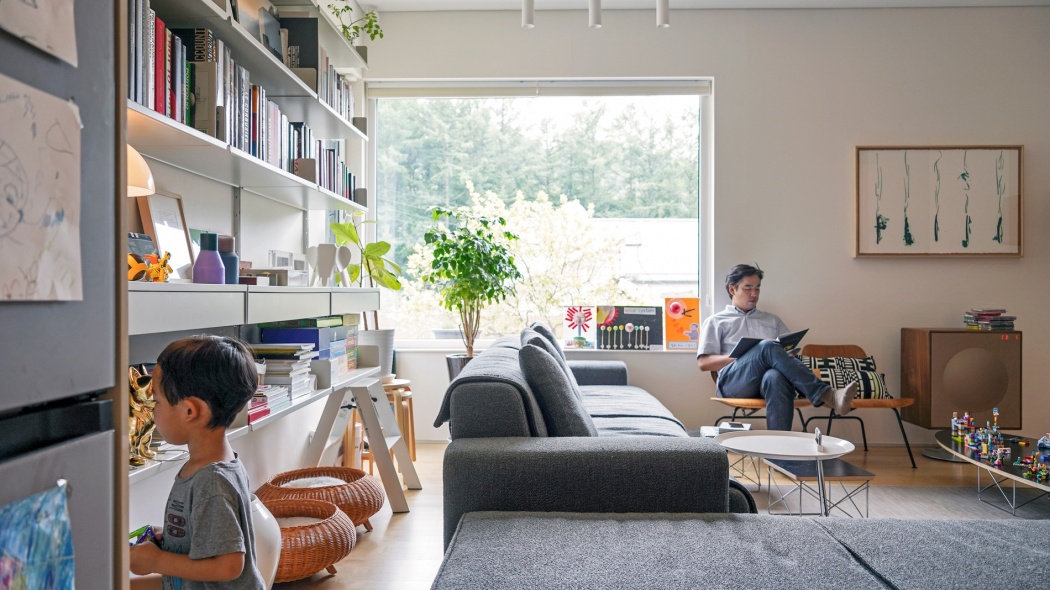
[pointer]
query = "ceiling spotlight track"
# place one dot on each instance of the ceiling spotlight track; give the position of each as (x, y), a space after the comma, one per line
(663, 13)
(528, 13)
(594, 14)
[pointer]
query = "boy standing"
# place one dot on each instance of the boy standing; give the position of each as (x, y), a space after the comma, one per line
(200, 384)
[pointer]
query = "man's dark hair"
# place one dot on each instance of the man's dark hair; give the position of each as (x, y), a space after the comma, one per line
(740, 272)
(219, 370)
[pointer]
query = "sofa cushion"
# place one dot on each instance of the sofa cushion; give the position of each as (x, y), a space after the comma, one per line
(558, 398)
(545, 331)
(530, 336)
(621, 410)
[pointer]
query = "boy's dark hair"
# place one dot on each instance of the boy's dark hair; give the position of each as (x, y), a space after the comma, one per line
(219, 370)
(740, 272)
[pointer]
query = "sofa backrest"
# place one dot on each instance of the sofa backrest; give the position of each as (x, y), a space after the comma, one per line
(491, 397)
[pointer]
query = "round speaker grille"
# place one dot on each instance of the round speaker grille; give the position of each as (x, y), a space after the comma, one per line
(975, 379)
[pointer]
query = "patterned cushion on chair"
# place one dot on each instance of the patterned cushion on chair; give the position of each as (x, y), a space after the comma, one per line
(817, 362)
(864, 364)
(834, 377)
(870, 385)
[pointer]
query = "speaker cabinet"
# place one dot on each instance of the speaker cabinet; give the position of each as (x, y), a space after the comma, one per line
(960, 371)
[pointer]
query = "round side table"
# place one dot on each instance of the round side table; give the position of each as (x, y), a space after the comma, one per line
(798, 446)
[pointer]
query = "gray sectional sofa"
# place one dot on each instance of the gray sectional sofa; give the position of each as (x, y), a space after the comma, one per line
(504, 550)
(534, 433)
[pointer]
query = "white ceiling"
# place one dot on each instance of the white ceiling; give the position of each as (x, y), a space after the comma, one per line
(431, 5)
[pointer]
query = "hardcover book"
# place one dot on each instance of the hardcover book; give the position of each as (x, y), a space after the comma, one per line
(789, 341)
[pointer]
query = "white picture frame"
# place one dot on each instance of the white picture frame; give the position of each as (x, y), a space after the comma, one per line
(164, 221)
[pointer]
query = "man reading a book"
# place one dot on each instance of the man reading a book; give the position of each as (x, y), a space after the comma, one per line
(766, 370)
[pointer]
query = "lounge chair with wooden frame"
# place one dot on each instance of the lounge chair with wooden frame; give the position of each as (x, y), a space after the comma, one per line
(747, 408)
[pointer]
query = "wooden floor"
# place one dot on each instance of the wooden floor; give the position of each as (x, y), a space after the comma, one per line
(403, 551)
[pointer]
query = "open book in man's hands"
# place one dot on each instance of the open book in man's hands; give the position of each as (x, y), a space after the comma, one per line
(787, 341)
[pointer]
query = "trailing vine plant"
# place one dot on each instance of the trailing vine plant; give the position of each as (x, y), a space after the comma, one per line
(937, 197)
(881, 221)
(368, 24)
(908, 240)
(965, 177)
(1000, 188)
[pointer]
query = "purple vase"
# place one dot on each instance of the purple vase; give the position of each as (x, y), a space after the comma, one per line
(208, 268)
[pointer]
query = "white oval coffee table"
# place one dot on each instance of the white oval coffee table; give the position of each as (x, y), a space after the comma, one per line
(797, 446)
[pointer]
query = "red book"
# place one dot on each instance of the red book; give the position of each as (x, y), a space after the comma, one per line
(160, 90)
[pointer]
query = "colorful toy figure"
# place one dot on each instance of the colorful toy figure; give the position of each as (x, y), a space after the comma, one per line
(137, 267)
(159, 269)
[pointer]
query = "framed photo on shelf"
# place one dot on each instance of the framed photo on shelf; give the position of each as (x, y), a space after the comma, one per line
(940, 201)
(164, 221)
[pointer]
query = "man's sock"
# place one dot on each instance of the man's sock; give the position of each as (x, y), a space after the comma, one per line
(840, 400)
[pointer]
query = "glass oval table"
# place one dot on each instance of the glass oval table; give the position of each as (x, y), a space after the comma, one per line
(1014, 447)
(797, 446)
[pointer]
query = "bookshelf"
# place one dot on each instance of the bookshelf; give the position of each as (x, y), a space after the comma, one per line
(219, 182)
(164, 140)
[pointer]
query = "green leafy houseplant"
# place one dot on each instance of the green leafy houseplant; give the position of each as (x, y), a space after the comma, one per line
(369, 23)
(373, 264)
(472, 265)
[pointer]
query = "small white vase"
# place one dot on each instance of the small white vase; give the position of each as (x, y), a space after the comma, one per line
(267, 541)
(325, 262)
(384, 341)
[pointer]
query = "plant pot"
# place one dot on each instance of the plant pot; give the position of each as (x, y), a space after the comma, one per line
(456, 362)
(383, 340)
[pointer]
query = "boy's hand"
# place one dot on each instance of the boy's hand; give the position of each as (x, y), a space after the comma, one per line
(143, 558)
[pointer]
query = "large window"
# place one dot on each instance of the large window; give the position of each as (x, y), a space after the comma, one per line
(601, 186)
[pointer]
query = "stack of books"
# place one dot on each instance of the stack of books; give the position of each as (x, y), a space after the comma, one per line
(267, 400)
(288, 365)
(988, 319)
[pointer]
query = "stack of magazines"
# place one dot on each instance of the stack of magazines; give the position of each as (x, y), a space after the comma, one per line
(988, 319)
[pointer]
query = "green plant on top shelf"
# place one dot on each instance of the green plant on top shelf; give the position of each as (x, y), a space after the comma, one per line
(368, 24)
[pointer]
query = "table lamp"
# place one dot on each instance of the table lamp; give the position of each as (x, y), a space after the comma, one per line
(140, 179)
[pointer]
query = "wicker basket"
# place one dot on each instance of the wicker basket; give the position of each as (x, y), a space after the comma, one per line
(360, 497)
(308, 549)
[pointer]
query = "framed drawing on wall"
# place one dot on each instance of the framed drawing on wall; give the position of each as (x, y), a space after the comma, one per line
(939, 201)
(164, 221)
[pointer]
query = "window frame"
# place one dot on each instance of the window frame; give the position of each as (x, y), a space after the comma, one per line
(703, 87)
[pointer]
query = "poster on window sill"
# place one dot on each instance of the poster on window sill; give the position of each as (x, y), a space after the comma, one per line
(629, 327)
(40, 208)
(579, 327)
(45, 24)
(681, 323)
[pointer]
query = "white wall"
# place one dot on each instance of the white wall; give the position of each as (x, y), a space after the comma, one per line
(795, 91)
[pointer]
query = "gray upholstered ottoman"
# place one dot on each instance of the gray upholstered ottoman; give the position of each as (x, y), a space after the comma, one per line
(494, 550)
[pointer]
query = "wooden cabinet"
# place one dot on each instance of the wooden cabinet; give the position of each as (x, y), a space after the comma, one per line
(956, 371)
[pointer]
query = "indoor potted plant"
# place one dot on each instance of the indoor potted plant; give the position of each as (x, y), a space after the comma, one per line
(472, 267)
(368, 24)
(372, 269)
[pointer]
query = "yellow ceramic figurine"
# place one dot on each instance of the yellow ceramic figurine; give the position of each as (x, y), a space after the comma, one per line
(140, 417)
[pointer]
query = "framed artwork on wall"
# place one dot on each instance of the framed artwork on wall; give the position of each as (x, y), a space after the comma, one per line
(939, 201)
(164, 221)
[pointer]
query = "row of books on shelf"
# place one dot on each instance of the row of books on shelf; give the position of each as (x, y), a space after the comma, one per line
(310, 61)
(190, 76)
(988, 319)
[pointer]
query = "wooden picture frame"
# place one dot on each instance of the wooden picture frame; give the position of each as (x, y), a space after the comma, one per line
(939, 201)
(164, 221)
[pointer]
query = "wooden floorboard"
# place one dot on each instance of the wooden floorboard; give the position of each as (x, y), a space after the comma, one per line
(403, 551)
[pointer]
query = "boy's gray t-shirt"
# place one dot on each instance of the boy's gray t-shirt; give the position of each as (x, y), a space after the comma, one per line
(209, 514)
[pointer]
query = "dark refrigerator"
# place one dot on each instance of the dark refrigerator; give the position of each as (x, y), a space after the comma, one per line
(59, 359)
